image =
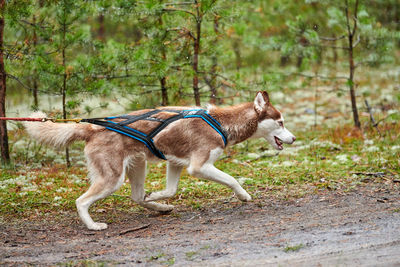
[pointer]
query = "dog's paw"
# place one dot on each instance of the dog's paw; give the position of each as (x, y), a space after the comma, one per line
(166, 208)
(97, 226)
(149, 197)
(244, 197)
(166, 212)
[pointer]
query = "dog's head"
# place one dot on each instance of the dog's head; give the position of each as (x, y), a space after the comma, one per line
(270, 123)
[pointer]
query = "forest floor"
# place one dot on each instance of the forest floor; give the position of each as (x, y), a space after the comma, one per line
(328, 228)
(330, 199)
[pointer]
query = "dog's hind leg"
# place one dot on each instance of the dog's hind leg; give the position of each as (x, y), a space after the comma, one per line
(173, 174)
(137, 176)
(106, 179)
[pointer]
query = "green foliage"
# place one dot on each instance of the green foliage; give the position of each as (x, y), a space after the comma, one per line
(145, 42)
(15, 10)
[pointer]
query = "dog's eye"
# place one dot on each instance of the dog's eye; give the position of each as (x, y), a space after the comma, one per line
(280, 123)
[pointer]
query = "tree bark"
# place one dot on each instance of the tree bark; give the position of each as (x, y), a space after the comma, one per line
(64, 87)
(164, 92)
(5, 156)
(102, 29)
(299, 61)
(163, 80)
(335, 55)
(196, 48)
(284, 61)
(350, 34)
(351, 85)
(196, 51)
(213, 81)
(35, 80)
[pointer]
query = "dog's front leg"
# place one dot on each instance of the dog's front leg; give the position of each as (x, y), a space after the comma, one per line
(173, 174)
(210, 172)
(137, 176)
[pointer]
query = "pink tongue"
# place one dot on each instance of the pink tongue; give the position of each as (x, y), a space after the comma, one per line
(278, 142)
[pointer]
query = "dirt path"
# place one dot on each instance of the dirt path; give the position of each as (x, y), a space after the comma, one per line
(358, 228)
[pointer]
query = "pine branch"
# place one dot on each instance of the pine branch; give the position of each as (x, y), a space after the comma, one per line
(182, 33)
(309, 76)
(332, 38)
(179, 4)
(34, 24)
(19, 81)
(179, 10)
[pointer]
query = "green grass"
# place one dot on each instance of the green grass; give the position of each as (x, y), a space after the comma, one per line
(190, 255)
(293, 248)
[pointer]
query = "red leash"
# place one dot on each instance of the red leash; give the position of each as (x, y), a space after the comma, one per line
(77, 120)
(22, 119)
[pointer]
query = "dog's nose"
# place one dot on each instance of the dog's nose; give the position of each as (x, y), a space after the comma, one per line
(294, 139)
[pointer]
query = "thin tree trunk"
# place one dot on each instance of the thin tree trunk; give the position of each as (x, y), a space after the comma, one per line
(35, 91)
(284, 61)
(351, 85)
(352, 68)
(320, 56)
(335, 54)
(196, 47)
(213, 81)
(5, 156)
(164, 92)
(163, 80)
(101, 31)
(238, 55)
(299, 61)
(64, 89)
(35, 80)
(196, 51)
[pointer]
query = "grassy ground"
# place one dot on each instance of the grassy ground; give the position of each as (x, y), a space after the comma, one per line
(338, 159)
(329, 154)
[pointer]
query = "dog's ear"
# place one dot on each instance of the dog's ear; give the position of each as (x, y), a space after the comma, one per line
(261, 100)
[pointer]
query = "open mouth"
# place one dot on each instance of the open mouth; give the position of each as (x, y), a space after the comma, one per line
(278, 143)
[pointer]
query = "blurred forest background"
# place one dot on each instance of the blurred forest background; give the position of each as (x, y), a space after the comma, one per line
(92, 58)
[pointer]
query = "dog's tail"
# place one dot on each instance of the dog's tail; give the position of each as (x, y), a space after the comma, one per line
(57, 134)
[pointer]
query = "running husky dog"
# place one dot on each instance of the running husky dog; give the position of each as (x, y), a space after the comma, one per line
(190, 141)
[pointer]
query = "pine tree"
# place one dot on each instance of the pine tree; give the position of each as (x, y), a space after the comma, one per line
(11, 12)
(5, 156)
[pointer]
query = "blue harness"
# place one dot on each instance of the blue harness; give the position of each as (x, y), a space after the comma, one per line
(147, 139)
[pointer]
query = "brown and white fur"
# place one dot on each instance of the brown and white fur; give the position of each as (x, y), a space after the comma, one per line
(190, 143)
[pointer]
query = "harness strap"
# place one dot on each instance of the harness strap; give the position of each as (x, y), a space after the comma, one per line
(211, 121)
(133, 133)
(147, 139)
(132, 119)
(165, 124)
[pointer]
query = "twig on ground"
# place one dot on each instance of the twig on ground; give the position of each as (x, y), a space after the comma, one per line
(134, 229)
(375, 174)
